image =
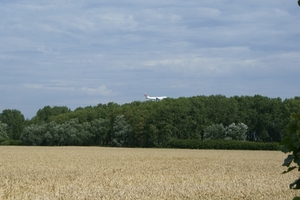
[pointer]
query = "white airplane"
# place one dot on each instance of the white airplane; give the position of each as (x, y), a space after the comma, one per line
(154, 98)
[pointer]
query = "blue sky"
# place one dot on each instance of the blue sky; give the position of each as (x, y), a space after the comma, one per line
(79, 53)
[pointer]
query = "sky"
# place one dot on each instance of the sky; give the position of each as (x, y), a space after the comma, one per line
(78, 53)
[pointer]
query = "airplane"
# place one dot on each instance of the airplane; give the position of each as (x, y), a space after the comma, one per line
(154, 98)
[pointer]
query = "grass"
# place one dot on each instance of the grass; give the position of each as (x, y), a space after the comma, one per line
(119, 173)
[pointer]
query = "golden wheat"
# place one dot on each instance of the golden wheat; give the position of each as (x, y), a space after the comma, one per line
(120, 173)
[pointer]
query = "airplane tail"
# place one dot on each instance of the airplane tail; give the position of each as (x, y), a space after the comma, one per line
(146, 96)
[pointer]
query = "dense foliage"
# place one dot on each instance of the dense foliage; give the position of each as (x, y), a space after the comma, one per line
(154, 124)
(222, 144)
(291, 143)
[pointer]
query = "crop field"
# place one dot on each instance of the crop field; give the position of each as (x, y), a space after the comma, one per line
(121, 173)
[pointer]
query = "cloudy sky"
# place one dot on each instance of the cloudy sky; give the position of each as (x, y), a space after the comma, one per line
(78, 53)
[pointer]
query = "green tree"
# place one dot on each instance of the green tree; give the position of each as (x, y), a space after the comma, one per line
(155, 123)
(15, 122)
(152, 133)
(214, 132)
(266, 122)
(291, 144)
(70, 133)
(236, 131)
(44, 114)
(33, 135)
(220, 109)
(86, 114)
(121, 131)
(263, 117)
(99, 129)
(76, 133)
(55, 134)
(164, 134)
(289, 106)
(3, 134)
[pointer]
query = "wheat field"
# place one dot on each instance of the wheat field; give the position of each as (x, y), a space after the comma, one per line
(121, 173)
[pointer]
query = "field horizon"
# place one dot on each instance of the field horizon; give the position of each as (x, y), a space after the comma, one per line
(138, 173)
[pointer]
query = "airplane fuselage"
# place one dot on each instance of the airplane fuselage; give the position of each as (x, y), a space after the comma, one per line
(155, 98)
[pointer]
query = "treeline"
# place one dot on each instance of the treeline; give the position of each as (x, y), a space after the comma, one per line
(153, 124)
(223, 144)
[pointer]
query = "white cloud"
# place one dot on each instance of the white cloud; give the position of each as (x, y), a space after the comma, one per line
(65, 86)
(49, 87)
(101, 90)
(171, 47)
(33, 86)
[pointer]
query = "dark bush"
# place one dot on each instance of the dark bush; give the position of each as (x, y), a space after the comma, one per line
(11, 142)
(222, 144)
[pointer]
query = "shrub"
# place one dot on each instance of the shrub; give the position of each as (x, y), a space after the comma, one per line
(222, 144)
(11, 142)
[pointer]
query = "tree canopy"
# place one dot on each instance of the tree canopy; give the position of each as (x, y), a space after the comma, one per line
(149, 123)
